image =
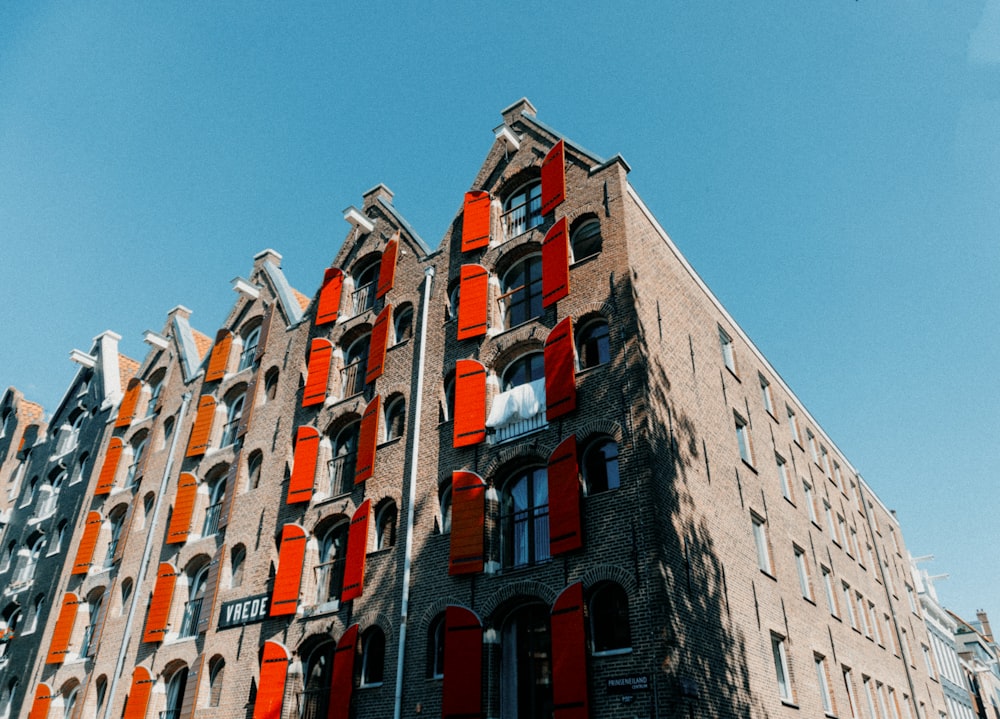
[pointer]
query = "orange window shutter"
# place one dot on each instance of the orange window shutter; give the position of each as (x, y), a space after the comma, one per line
(126, 410)
(106, 479)
(158, 614)
(184, 501)
(232, 476)
(462, 688)
(470, 403)
(126, 529)
(560, 371)
(554, 178)
(555, 263)
(138, 694)
(265, 333)
(88, 542)
(211, 590)
(468, 512)
(378, 344)
(569, 655)
(285, 596)
(300, 486)
(100, 619)
(476, 220)
(328, 306)
(190, 700)
(59, 646)
(368, 440)
(318, 374)
(40, 705)
(218, 362)
(248, 402)
(387, 267)
(201, 433)
(473, 301)
(271, 687)
(342, 684)
(357, 551)
(565, 533)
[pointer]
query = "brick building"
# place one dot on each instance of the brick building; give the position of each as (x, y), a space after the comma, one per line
(537, 471)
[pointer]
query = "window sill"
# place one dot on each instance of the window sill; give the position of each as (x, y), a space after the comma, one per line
(400, 344)
(733, 373)
(584, 260)
(373, 685)
(326, 499)
(767, 573)
(389, 442)
(789, 703)
(789, 500)
(749, 466)
(612, 652)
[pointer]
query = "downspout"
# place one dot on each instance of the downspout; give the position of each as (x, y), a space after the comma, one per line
(411, 495)
(146, 552)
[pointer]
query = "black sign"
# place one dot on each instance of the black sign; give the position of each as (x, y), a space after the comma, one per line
(244, 611)
(628, 685)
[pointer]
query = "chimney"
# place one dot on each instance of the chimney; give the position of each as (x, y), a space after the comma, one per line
(985, 622)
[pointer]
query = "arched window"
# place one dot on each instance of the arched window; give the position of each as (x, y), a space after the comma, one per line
(36, 613)
(168, 431)
(48, 493)
(94, 601)
(29, 560)
(10, 622)
(271, 384)
(126, 595)
(372, 656)
(70, 695)
(524, 519)
(175, 693)
(317, 673)
(446, 409)
(250, 341)
(134, 474)
(526, 664)
(197, 579)
(522, 210)
(593, 345)
(403, 323)
(445, 505)
(345, 455)
(610, 630)
(7, 700)
(216, 494)
(101, 691)
(600, 466)
(355, 366)
(330, 568)
(385, 526)
(453, 295)
(216, 672)
(586, 240)
(234, 412)
(116, 520)
(395, 418)
(155, 388)
(8, 555)
(254, 463)
(80, 470)
(237, 559)
(365, 283)
(521, 291)
(526, 368)
(435, 647)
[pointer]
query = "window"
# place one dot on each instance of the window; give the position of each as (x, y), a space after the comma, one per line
(80, 470)
(372, 657)
(7, 700)
(216, 672)
(593, 344)
(446, 410)
(216, 494)
(330, 569)
(249, 348)
(236, 562)
(842, 532)
(831, 600)
(853, 542)
(197, 579)
(526, 663)
(765, 394)
(610, 630)
(445, 506)
(825, 461)
(403, 324)
(863, 614)
(317, 675)
(134, 474)
(522, 210)
(155, 389)
(837, 476)
(526, 368)
(743, 439)
(586, 240)
(793, 426)
(435, 647)
(760, 540)
(524, 519)
(345, 455)
(521, 291)
(365, 284)
(811, 439)
(728, 356)
(385, 526)
(786, 486)
(781, 667)
(117, 521)
(600, 466)
(852, 702)
(234, 412)
(175, 693)
(352, 377)
(831, 527)
(271, 384)
(29, 560)
(928, 662)
(126, 595)
(395, 418)
(94, 602)
(254, 463)
(869, 696)
(849, 603)
(911, 598)
(453, 300)
(8, 555)
(802, 566)
(824, 684)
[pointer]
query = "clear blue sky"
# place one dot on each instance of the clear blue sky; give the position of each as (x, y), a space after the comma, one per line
(832, 169)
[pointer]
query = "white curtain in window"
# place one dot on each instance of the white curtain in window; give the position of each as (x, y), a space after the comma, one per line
(517, 404)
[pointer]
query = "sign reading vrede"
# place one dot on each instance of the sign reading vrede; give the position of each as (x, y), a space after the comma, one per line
(244, 611)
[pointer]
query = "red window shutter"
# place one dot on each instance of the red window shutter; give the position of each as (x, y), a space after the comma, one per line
(328, 307)
(40, 705)
(368, 440)
(211, 590)
(138, 694)
(468, 511)
(106, 479)
(342, 684)
(387, 267)
(190, 700)
(100, 619)
(126, 528)
(554, 178)
(320, 354)
(473, 301)
(357, 551)
(470, 403)
(248, 401)
(271, 687)
(232, 476)
(462, 690)
(59, 646)
(88, 542)
(555, 263)
(184, 501)
(126, 410)
(219, 360)
(377, 345)
(560, 371)
(565, 533)
(300, 486)
(158, 613)
(569, 655)
(476, 220)
(285, 596)
(265, 332)
(201, 433)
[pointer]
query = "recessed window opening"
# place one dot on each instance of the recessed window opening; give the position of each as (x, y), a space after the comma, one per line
(523, 210)
(343, 464)
(365, 284)
(521, 291)
(524, 519)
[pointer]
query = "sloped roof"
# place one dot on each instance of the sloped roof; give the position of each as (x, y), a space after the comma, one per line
(301, 298)
(33, 412)
(127, 369)
(201, 342)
